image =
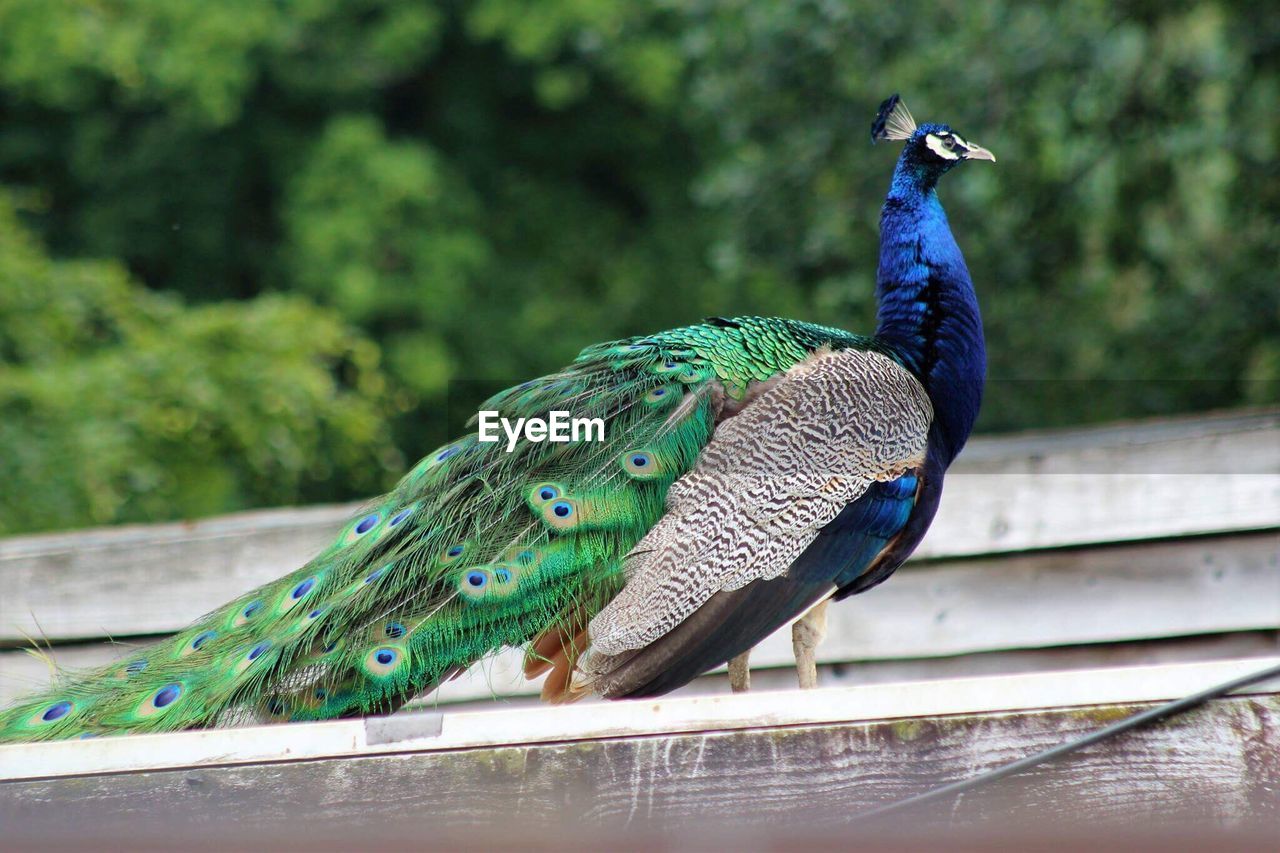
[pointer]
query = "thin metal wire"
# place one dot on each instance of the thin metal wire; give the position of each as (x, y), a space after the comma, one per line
(1152, 715)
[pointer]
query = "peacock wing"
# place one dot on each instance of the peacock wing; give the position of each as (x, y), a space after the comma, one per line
(816, 442)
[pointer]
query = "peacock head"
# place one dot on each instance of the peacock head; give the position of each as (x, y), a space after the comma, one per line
(932, 150)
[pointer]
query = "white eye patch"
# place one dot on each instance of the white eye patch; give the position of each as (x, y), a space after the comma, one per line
(936, 145)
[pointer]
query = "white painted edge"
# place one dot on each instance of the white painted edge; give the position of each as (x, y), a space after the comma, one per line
(431, 731)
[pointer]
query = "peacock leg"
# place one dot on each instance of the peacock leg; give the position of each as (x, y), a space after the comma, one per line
(806, 633)
(740, 672)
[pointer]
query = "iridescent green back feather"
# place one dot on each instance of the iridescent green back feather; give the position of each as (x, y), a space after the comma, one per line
(474, 550)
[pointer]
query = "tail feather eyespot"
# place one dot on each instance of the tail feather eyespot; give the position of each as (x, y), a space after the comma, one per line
(561, 514)
(253, 656)
(401, 516)
(300, 591)
(307, 621)
(246, 613)
(672, 367)
(133, 667)
(662, 395)
(161, 700)
(325, 649)
(384, 661)
(434, 462)
(56, 712)
(196, 642)
(474, 582)
(541, 493)
(60, 710)
(453, 553)
(491, 582)
(642, 464)
(393, 521)
(358, 529)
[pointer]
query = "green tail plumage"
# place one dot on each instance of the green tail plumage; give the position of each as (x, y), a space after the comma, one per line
(476, 549)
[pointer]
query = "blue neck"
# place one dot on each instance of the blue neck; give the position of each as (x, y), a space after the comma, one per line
(928, 310)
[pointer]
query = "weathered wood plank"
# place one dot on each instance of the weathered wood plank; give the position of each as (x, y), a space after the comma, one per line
(1064, 660)
(1000, 513)
(1210, 766)
(1225, 443)
(1057, 598)
(1061, 598)
(1006, 495)
(21, 673)
(1114, 483)
(500, 681)
(481, 689)
(148, 579)
(431, 732)
(728, 764)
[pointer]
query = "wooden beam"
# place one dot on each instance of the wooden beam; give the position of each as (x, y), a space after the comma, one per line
(1002, 513)
(1237, 442)
(150, 579)
(731, 762)
(1070, 488)
(1113, 483)
(482, 689)
(1121, 593)
(434, 732)
(1124, 592)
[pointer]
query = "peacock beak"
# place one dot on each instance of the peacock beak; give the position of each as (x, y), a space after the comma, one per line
(977, 152)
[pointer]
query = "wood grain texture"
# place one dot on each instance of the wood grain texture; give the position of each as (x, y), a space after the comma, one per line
(1240, 442)
(1057, 598)
(1000, 513)
(481, 689)
(931, 610)
(1052, 599)
(498, 727)
(1069, 488)
(1218, 764)
(1114, 483)
(144, 579)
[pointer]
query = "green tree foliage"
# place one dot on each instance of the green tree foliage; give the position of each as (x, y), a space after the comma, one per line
(1121, 244)
(484, 186)
(121, 404)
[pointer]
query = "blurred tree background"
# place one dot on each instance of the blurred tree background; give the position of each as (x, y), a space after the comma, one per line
(246, 246)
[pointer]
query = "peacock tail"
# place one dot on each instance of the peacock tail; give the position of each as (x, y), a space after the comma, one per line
(477, 548)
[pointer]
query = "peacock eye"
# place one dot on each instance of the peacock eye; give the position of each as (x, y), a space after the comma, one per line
(56, 712)
(949, 143)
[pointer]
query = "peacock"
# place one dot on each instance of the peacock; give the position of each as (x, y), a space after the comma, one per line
(750, 470)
